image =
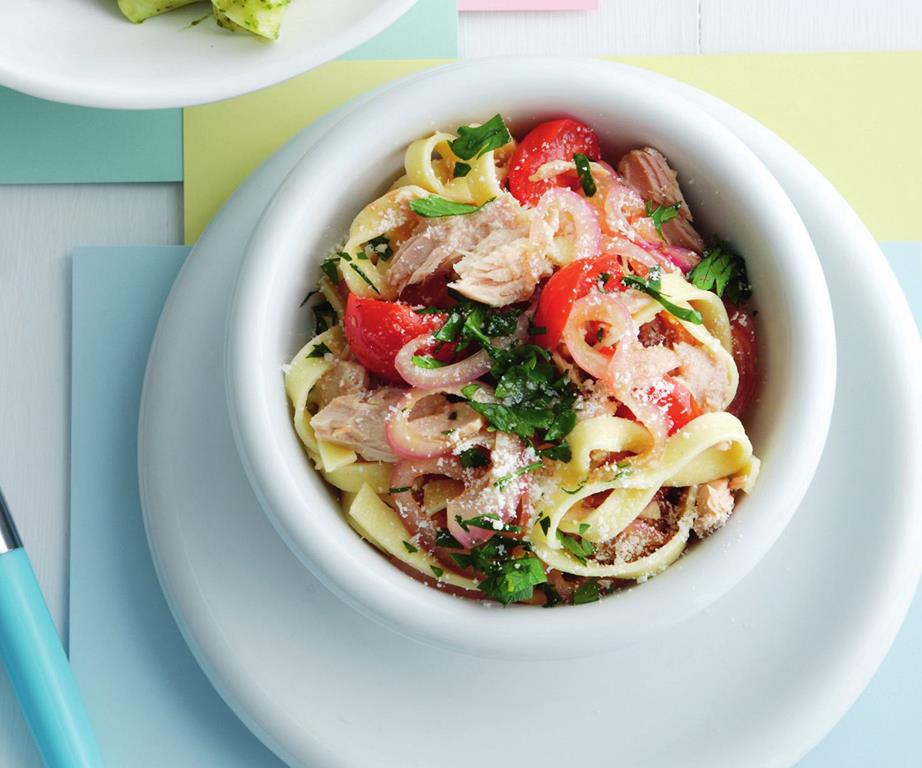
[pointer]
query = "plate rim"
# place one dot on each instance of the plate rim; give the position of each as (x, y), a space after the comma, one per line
(63, 87)
(902, 589)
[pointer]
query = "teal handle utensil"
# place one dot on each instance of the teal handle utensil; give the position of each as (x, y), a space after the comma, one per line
(35, 661)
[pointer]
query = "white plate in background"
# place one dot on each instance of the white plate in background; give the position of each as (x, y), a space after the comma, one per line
(755, 680)
(86, 52)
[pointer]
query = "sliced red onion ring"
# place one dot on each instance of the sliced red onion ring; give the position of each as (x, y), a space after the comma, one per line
(484, 497)
(404, 475)
(412, 434)
(607, 309)
(567, 224)
(640, 253)
(456, 374)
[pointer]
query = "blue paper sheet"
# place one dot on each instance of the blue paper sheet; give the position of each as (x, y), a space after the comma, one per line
(151, 704)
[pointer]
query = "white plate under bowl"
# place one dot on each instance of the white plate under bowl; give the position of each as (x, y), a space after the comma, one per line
(755, 680)
(86, 52)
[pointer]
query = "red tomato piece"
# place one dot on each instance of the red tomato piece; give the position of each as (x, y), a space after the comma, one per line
(431, 293)
(745, 349)
(553, 140)
(675, 400)
(565, 286)
(376, 330)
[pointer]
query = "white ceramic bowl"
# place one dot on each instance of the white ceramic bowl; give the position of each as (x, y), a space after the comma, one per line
(732, 195)
(86, 52)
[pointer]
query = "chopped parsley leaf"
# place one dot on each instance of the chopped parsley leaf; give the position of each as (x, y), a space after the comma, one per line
(461, 170)
(330, 267)
(426, 362)
(576, 546)
(551, 595)
(471, 458)
(722, 271)
(381, 246)
(409, 547)
(518, 473)
(560, 452)
(585, 175)
(514, 580)
(400, 489)
(434, 207)
(661, 214)
(472, 142)
(444, 539)
(324, 316)
(437, 571)
(365, 278)
(583, 527)
(545, 523)
(571, 491)
(319, 351)
(488, 522)
(650, 285)
(587, 592)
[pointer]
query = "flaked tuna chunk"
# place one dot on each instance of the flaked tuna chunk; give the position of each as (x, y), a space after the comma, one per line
(358, 421)
(713, 507)
(505, 272)
(648, 172)
(342, 378)
(437, 244)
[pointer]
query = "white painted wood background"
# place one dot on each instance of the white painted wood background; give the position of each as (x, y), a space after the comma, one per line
(40, 224)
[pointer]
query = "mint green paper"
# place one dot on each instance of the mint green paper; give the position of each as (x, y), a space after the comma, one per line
(429, 30)
(43, 142)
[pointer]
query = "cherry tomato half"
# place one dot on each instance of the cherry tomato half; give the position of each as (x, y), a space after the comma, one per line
(376, 330)
(553, 140)
(745, 350)
(568, 284)
(674, 399)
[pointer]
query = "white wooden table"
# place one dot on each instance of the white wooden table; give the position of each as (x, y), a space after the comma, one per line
(40, 224)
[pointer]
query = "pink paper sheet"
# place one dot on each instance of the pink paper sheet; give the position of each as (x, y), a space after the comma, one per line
(528, 5)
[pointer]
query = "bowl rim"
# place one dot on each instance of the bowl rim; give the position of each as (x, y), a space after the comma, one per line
(374, 586)
(66, 87)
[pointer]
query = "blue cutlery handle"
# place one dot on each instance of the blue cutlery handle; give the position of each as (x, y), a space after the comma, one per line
(39, 670)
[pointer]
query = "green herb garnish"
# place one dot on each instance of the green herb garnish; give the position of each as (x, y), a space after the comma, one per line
(443, 538)
(583, 527)
(502, 481)
(722, 271)
(587, 592)
(437, 571)
(661, 214)
(400, 489)
(471, 458)
(330, 267)
(545, 523)
(426, 362)
(585, 175)
(576, 546)
(409, 547)
(551, 595)
(434, 207)
(380, 246)
(324, 316)
(472, 142)
(319, 351)
(461, 170)
(365, 278)
(651, 284)
(560, 452)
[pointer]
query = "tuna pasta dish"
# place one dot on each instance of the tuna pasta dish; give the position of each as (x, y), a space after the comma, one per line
(528, 368)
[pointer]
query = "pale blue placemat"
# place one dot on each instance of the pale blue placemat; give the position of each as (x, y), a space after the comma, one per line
(42, 142)
(152, 704)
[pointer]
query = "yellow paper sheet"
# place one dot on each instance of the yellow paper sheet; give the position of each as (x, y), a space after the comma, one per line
(856, 116)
